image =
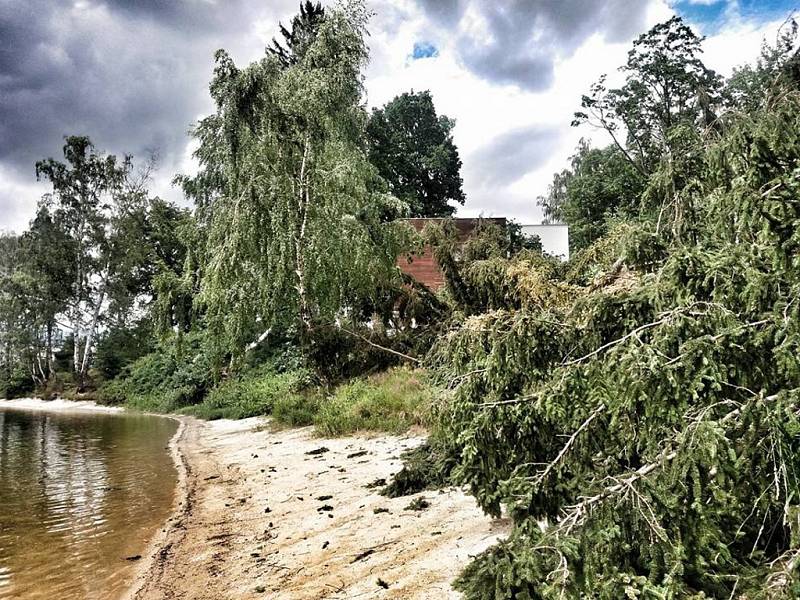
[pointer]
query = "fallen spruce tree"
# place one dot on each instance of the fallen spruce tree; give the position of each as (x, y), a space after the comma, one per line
(639, 416)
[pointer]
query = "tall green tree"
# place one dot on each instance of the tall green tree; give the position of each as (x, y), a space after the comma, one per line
(666, 85)
(99, 207)
(298, 38)
(82, 188)
(778, 65)
(15, 375)
(412, 147)
(291, 204)
(48, 260)
(599, 185)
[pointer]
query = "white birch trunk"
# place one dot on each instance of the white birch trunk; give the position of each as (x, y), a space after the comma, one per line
(302, 209)
(91, 331)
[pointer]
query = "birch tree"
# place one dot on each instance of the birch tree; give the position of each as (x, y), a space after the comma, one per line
(97, 204)
(292, 208)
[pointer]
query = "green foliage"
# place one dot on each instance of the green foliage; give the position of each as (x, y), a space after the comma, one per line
(294, 213)
(165, 380)
(412, 148)
(120, 347)
(777, 66)
(491, 270)
(392, 401)
(666, 85)
(643, 433)
(304, 28)
(257, 392)
(15, 382)
(600, 186)
(296, 410)
(426, 467)
(87, 263)
(337, 354)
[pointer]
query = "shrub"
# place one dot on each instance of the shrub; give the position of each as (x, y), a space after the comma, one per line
(252, 394)
(120, 347)
(296, 410)
(338, 355)
(165, 380)
(15, 382)
(392, 401)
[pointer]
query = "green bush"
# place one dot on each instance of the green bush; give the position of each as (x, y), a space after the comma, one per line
(296, 410)
(120, 347)
(338, 355)
(393, 401)
(170, 378)
(15, 382)
(254, 393)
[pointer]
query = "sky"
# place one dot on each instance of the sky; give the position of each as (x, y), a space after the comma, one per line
(133, 75)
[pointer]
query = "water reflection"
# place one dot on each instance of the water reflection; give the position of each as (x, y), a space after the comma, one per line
(78, 494)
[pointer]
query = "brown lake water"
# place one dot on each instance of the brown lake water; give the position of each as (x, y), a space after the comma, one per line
(79, 494)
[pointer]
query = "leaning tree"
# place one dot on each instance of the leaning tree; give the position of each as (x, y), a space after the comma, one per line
(292, 212)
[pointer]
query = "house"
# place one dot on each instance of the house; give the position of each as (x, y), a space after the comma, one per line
(423, 267)
(555, 238)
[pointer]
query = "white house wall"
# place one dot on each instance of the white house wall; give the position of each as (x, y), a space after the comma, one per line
(555, 238)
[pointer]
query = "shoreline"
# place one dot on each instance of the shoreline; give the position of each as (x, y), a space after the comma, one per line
(259, 513)
(284, 514)
(60, 405)
(180, 505)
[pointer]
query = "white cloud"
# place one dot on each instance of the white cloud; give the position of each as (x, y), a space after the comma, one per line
(486, 111)
(18, 199)
(490, 116)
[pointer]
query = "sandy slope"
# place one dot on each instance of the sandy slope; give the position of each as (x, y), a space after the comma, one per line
(255, 521)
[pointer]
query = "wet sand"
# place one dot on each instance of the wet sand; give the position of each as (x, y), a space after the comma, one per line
(59, 405)
(262, 514)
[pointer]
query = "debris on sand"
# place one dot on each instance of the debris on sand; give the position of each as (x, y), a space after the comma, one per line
(318, 451)
(379, 482)
(293, 551)
(418, 504)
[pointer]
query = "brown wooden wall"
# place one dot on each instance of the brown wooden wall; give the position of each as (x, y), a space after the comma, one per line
(424, 267)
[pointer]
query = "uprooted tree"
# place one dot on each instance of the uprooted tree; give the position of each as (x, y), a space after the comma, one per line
(637, 414)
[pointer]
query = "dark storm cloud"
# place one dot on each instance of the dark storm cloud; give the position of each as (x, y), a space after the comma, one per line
(512, 154)
(444, 12)
(518, 41)
(132, 75)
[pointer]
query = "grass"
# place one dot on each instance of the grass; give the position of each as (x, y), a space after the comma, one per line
(297, 410)
(259, 392)
(393, 401)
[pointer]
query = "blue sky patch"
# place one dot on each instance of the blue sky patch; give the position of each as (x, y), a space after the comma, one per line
(710, 16)
(424, 50)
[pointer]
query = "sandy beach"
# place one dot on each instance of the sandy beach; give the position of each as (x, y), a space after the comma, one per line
(263, 514)
(58, 405)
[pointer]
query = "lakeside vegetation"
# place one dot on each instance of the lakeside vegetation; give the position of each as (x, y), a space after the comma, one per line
(635, 411)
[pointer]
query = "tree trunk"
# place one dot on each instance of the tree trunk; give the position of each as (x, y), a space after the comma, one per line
(76, 311)
(76, 336)
(90, 333)
(50, 370)
(299, 241)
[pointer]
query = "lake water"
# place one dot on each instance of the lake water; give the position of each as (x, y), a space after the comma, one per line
(79, 494)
